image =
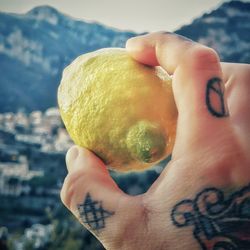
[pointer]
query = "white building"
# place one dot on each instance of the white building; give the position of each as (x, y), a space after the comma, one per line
(14, 177)
(39, 234)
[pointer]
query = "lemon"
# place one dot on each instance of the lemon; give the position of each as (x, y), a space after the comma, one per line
(121, 110)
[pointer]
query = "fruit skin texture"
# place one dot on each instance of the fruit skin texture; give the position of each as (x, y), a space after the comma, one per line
(121, 110)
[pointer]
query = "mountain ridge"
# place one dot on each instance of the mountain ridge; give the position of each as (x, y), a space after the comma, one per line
(37, 45)
(226, 29)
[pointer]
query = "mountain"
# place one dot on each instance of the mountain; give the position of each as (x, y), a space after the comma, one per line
(34, 49)
(226, 29)
(36, 46)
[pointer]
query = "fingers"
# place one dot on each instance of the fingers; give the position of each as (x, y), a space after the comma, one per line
(197, 84)
(94, 198)
(161, 48)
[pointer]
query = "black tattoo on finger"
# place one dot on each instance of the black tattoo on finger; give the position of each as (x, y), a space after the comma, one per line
(93, 214)
(219, 222)
(215, 98)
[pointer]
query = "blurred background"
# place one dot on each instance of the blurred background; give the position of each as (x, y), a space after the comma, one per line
(38, 38)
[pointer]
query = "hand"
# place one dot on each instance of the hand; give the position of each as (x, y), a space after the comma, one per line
(202, 198)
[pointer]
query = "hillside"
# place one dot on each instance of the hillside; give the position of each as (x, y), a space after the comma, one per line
(36, 46)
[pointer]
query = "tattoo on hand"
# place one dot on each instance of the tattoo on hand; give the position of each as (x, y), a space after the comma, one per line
(215, 98)
(219, 222)
(93, 214)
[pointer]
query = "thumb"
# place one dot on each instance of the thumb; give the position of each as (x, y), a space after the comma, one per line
(93, 197)
(91, 194)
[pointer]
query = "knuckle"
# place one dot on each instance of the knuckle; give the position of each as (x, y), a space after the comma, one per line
(228, 161)
(138, 220)
(243, 73)
(202, 57)
(160, 37)
(163, 35)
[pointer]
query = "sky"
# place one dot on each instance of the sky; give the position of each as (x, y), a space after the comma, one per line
(135, 15)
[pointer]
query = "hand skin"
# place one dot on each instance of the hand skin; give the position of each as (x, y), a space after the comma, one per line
(209, 151)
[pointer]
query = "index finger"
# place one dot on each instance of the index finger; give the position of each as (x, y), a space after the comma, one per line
(197, 86)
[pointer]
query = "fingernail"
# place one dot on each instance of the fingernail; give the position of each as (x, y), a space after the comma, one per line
(71, 157)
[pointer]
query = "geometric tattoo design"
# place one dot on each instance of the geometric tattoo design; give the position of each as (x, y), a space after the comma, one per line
(218, 222)
(92, 213)
(215, 98)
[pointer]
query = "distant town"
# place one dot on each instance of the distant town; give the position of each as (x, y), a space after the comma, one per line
(31, 146)
(32, 170)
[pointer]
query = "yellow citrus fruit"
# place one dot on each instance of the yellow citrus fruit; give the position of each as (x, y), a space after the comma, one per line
(120, 109)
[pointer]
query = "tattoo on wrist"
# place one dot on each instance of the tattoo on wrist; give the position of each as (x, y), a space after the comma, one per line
(215, 98)
(219, 221)
(93, 214)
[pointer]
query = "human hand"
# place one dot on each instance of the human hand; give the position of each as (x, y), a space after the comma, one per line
(202, 198)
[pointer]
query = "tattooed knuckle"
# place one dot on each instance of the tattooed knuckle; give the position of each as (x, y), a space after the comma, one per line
(93, 214)
(215, 98)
